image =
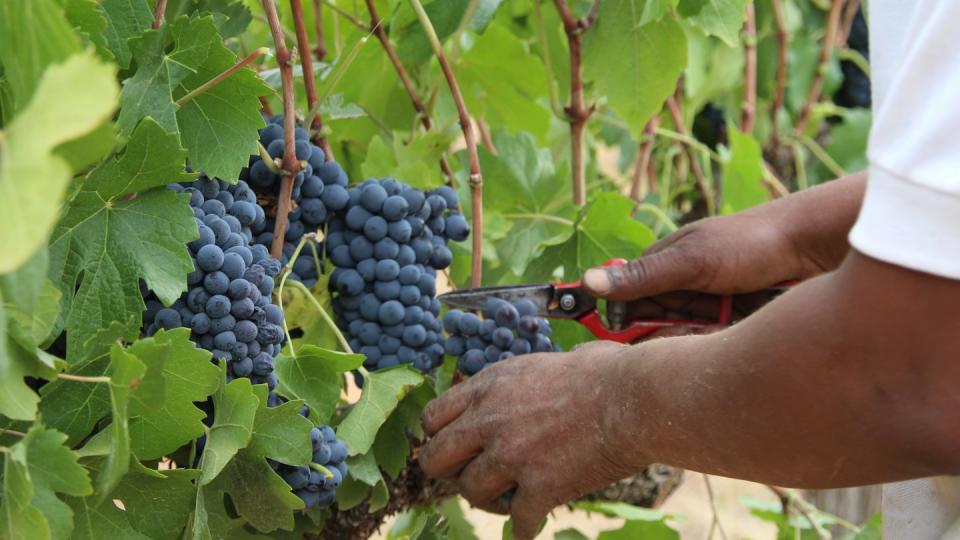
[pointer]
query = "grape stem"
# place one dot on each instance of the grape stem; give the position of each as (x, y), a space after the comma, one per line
(750, 69)
(13, 433)
(476, 175)
(158, 13)
(639, 188)
(321, 469)
(283, 281)
(816, 88)
(376, 26)
(223, 76)
(706, 191)
(783, 48)
(290, 163)
(309, 83)
(577, 112)
(320, 51)
(326, 317)
(82, 378)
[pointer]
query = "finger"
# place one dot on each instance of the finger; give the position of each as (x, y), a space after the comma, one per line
(448, 407)
(528, 509)
(485, 479)
(686, 330)
(669, 270)
(500, 505)
(450, 449)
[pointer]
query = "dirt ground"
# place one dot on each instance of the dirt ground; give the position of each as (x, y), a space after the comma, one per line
(690, 504)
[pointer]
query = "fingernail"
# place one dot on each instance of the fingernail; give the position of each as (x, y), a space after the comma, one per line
(597, 280)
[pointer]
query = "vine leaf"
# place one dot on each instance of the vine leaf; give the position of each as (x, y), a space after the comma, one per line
(742, 173)
(314, 377)
(503, 82)
(526, 195)
(105, 243)
(75, 409)
(125, 368)
(220, 126)
(635, 66)
(189, 377)
(125, 19)
(721, 18)
(234, 407)
(95, 521)
(413, 162)
(150, 91)
(258, 494)
(604, 230)
(157, 504)
(35, 470)
(392, 445)
(382, 391)
(33, 36)
(71, 99)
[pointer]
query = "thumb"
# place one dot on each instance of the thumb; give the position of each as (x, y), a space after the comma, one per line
(661, 272)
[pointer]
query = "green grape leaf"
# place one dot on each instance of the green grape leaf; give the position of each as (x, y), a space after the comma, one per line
(445, 16)
(364, 468)
(391, 446)
(86, 16)
(525, 195)
(105, 243)
(721, 18)
(125, 19)
(652, 530)
(635, 66)
(73, 408)
(604, 230)
(315, 377)
(189, 377)
(34, 35)
(71, 99)
(219, 127)
(17, 400)
(413, 162)
(31, 302)
(87, 151)
(742, 173)
(125, 370)
(150, 91)
(382, 391)
(281, 433)
(259, 495)
(570, 534)
(235, 407)
(95, 521)
(35, 471)
(458, 526)
(654, 10)
(157, 505)
(504, 81)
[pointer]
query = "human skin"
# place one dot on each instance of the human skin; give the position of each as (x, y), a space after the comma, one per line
(848, 379)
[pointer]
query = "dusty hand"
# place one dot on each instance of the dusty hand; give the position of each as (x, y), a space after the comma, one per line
(534, 424)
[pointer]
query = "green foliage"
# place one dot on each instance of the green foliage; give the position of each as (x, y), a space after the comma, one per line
(96, 121)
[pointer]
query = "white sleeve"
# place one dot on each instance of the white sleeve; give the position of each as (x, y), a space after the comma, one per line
(911, 212)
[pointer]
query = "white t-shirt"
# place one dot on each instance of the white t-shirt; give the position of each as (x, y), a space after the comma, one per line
(911, 212)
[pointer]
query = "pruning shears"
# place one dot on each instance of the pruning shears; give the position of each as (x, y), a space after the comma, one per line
(570, 301)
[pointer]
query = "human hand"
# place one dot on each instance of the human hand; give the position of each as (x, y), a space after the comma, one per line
(534, 424)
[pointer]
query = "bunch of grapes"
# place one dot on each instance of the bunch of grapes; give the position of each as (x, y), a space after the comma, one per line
(228, 305)
(311, 484)
(387, 244)
(230, 312)
(320, 187)
(506, 330)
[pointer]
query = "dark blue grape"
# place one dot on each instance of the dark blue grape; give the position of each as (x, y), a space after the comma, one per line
(218, 306)
(210, 258)
(373, 197)
(391, 312)
(471, 362)
(374, 228)
(395, 208)
(387, 290)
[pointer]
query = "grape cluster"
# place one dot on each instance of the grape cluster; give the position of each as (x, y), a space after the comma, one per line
(228, 305)
(320, 187)
(387, 243)
(311, 485)
(506, 330)
(230, 312)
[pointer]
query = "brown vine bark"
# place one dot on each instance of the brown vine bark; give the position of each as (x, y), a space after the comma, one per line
(158, 13)
(644, 153)
(309, 83)
(320, 51)
(750, 70)
(290, 164)
(783, 48)
(577, 111)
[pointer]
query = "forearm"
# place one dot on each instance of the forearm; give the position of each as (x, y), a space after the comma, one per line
(816, 221)
(842, 381)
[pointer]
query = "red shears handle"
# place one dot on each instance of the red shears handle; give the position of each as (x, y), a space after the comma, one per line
(638, 329)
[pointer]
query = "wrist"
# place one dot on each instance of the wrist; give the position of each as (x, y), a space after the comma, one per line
(635, 418)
